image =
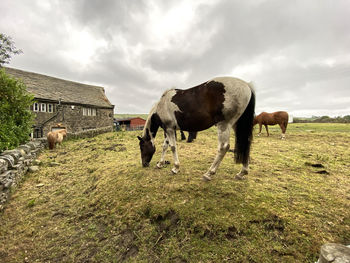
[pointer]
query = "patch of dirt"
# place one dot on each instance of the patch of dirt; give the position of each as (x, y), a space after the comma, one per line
(232, 233)
(315, 165)
(127, 243)
(167, 222)
(322, 172)
(273, 223)
(114, 147)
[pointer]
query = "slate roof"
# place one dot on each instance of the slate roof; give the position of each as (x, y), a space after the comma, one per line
(51, 88)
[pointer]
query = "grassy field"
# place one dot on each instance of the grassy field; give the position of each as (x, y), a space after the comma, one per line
(92, 202)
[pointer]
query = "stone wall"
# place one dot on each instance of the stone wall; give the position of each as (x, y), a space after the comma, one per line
(89, 133)
(14, 164)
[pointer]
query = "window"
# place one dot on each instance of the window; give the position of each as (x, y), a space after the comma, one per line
(38, 132)
(43, 107)
(36, 106)
(49, 108)
(89, 112)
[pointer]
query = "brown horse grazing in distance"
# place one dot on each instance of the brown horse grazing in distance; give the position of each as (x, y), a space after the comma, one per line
(55, 137)
(278, 117)
(226, 102)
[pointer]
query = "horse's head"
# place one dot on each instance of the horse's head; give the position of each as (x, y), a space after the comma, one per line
(147, 149)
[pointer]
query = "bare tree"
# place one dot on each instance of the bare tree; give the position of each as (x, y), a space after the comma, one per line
(7, 49)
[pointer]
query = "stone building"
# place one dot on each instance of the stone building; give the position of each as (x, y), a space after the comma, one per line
(66, 104)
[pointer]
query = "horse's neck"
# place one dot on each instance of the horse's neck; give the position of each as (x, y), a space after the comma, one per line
(151, 125)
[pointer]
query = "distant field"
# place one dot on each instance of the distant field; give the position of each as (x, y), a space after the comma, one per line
(92, 202)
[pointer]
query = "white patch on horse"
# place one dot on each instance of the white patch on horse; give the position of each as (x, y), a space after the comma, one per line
(166, 108)
(234, 88)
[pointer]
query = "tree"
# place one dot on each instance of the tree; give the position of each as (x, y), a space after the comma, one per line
(16, 119)
(7, 49)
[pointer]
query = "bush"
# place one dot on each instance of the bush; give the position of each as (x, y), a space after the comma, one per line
(16, 118)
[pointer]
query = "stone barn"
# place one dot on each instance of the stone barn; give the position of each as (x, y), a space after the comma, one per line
(66, 104)
(135, 123)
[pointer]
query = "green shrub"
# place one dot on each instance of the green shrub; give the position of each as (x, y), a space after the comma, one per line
(16, 118)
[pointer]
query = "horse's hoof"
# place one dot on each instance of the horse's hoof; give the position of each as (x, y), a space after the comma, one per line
(174, 170)
(160, 165)
(240, 177)
(206, 178)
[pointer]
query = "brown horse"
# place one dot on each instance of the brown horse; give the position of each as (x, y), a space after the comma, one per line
(55, 137)
(278, 117)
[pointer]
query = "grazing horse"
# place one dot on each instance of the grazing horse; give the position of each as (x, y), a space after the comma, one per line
(55, 137)
(278, 117)
(224, 101)
(191, 136)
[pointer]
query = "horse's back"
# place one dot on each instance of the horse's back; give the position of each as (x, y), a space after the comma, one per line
(206, 104)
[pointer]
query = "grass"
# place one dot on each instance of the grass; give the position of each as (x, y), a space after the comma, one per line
(92, 202)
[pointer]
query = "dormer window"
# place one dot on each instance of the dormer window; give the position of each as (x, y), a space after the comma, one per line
(50, 108)
(42, 107)
(36, 106)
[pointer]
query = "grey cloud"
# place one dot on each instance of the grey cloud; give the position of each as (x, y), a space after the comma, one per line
(290, 41)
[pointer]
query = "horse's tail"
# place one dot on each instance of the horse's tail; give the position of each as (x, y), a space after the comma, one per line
(244, 130)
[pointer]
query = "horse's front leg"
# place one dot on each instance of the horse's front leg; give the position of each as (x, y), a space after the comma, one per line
(260, 126)
(161, 163)
(172, 142)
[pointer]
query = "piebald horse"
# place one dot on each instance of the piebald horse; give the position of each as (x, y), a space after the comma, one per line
(225, 101)
(55, 137)
(278, 117)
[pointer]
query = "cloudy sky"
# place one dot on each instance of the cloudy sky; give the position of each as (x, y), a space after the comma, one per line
(296, 52)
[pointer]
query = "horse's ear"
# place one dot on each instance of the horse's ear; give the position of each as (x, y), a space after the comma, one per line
(140, 138)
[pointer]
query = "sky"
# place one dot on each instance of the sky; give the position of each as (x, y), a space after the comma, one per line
(297, 53)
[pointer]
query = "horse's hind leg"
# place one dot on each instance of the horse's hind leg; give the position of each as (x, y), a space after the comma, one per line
(223, 146)
(243, 172)
(267, 130)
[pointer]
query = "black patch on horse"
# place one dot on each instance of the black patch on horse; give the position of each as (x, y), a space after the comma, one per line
(192, 115)
(155, 123)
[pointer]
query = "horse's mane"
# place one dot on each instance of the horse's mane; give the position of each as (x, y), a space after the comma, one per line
(148, 121)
